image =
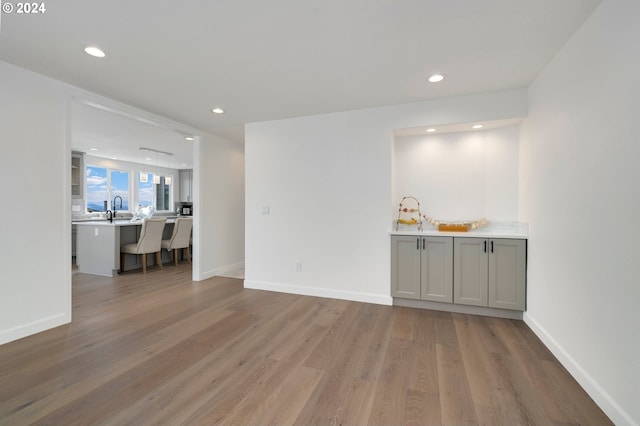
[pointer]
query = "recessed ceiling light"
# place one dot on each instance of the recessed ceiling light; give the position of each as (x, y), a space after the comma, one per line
(431, 130)
(94, 51)
(188, 138)
(93, 149)
(435, 78)
(477, 126)
(217, 111)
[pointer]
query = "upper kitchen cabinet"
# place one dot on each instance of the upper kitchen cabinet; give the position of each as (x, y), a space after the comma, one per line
(186, 187)
(77, 166)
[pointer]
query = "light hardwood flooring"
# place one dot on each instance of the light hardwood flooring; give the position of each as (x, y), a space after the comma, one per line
(157, 348)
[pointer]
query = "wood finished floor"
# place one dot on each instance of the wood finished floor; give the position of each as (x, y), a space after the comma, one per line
(161, 349)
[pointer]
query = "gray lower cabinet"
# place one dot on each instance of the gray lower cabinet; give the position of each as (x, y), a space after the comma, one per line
(422, 267)
(507, 273)
(461, 270)
(490, 272)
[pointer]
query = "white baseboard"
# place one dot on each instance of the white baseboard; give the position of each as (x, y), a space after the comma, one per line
(25, 330)
(616, 413)
(320, 292)
(220, 271)
(460, 309)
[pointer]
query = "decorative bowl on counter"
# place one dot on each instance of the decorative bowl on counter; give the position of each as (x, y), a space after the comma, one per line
(143, 212)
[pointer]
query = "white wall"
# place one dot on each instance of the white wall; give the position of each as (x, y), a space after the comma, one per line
(327, 183)
(460, 176)
(219, 206)
(580, 191)
(35, 267)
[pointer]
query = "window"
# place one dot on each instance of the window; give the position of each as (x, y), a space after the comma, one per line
(97, 194)
(103, 186)
(119, 188)
(153, 194)
(145, 190)
(162, 195)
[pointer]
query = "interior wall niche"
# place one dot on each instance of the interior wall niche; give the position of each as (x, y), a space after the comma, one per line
(460, 175)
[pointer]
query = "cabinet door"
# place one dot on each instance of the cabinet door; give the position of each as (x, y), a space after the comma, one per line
(437, 269)
(507, 274)
(76, 176)
(470, 275)
(405, 266)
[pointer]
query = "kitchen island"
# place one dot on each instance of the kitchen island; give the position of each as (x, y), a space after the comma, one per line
(98, 245)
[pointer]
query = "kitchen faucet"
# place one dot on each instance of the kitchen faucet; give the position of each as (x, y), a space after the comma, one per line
(114, 204)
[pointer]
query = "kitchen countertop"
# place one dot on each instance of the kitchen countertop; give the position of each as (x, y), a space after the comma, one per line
(116, 222)
(491, 230)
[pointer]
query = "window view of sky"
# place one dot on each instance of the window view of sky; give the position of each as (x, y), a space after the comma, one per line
(145, 190)
(104, 184)
(120, 187)
(99, 191)
(96, 188)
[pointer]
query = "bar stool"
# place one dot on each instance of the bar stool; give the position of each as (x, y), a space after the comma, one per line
(149, 242)
(179, 238)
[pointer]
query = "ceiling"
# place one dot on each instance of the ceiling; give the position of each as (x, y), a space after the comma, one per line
(455, 128)
(102, 131)
(266, 60)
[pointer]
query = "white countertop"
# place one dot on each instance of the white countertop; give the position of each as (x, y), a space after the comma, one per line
(116, 222)
(491, 230)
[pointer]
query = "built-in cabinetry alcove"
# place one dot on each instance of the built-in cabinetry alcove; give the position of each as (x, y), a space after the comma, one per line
(458, 173)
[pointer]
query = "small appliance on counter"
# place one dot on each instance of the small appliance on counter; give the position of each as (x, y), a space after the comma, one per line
(185, 210)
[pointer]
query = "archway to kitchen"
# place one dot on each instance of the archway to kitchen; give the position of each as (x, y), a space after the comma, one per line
(123, 146)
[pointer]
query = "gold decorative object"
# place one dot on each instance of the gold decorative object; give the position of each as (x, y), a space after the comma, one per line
(456, 226)
(442, 226)
(411, 211)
